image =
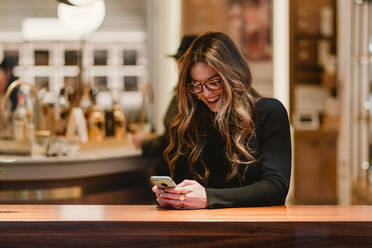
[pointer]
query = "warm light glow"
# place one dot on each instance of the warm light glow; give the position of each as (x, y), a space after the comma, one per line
(83, 19)
(167, 38)
(281, 51)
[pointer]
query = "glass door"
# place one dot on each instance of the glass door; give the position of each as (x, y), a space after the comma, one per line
(369, 101)
(361, 73)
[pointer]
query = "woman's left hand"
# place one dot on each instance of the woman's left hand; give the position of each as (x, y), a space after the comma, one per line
(137, 140)
(187, 195)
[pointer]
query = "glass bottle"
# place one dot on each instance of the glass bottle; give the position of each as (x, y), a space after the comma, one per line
(96, 124)
(20, 120)
(119, 122)
(85, 101)
(62, 113)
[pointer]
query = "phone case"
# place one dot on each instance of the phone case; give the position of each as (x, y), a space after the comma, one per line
(163, 182)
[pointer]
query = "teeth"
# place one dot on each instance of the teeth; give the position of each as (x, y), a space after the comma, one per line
(212, 100)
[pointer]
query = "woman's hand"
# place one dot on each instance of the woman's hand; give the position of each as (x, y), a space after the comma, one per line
(187, 195)
(137, 140)
(160, 200)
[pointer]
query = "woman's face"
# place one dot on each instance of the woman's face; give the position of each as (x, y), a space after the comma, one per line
(201, 73)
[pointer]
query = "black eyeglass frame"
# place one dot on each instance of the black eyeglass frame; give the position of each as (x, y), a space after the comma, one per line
(207, 84)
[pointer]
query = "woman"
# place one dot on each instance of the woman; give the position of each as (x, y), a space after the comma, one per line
(228, 146)
(7, 66)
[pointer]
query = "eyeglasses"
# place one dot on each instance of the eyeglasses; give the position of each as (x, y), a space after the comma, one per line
(211, 84)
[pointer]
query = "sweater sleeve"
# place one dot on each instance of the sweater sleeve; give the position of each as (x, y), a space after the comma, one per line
(274, 145)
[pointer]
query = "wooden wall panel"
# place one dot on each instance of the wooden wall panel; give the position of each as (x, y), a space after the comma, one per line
(315, 167)
(200, 16)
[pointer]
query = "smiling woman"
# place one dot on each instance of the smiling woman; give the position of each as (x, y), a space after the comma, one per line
(228, 146)
(210, 91)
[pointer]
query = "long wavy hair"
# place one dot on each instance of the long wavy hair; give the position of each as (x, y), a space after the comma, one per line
(188, 131)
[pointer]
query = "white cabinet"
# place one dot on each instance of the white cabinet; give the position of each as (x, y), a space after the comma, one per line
(117, 61)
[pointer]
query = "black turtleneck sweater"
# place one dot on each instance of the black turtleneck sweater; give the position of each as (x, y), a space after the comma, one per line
(264, 183)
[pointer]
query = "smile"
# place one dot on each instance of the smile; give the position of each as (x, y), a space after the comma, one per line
(213, 100)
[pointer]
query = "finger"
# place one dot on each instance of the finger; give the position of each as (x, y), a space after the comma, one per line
(170, 196)
(177, 204)
(157, 193)
(188, 188)
(181, 187)
(187, 182)
(162, 203)
(180, 190)
(155, 189)
(176, 190)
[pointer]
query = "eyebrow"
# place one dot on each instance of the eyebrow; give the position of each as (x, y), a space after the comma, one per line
(215, 75)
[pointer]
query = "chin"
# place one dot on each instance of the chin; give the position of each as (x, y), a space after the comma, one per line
(213, 109)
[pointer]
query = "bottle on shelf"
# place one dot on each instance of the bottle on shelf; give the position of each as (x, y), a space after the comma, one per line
(86, 100)
(61, 113)
(109, 122)
(96, 124)
(20, 120)
(104, 99)
(119, 122)
(30, 127)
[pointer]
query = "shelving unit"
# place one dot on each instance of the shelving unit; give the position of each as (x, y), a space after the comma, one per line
(313, 50)
(117, 61)
(312, 38)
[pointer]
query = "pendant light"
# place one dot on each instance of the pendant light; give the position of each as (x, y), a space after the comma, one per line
(83, 19)
(77, 2)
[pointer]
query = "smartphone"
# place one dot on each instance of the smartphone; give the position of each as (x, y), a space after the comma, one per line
(163, 182)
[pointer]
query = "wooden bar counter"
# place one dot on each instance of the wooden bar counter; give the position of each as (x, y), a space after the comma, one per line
(109, 172)
(147, 226)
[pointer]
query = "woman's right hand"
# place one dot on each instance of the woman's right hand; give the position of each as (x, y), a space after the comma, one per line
(159, 199)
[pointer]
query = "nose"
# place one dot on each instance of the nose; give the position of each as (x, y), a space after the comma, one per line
(206, 91)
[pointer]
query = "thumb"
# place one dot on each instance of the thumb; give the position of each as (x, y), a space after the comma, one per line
(186, 182)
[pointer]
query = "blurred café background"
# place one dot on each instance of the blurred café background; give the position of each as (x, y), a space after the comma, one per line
(91, 73)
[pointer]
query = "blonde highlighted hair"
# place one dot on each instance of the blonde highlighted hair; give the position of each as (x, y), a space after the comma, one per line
(234, 118)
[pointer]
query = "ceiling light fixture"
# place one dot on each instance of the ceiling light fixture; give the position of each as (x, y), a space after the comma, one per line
(77, 2)
(82, 20)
